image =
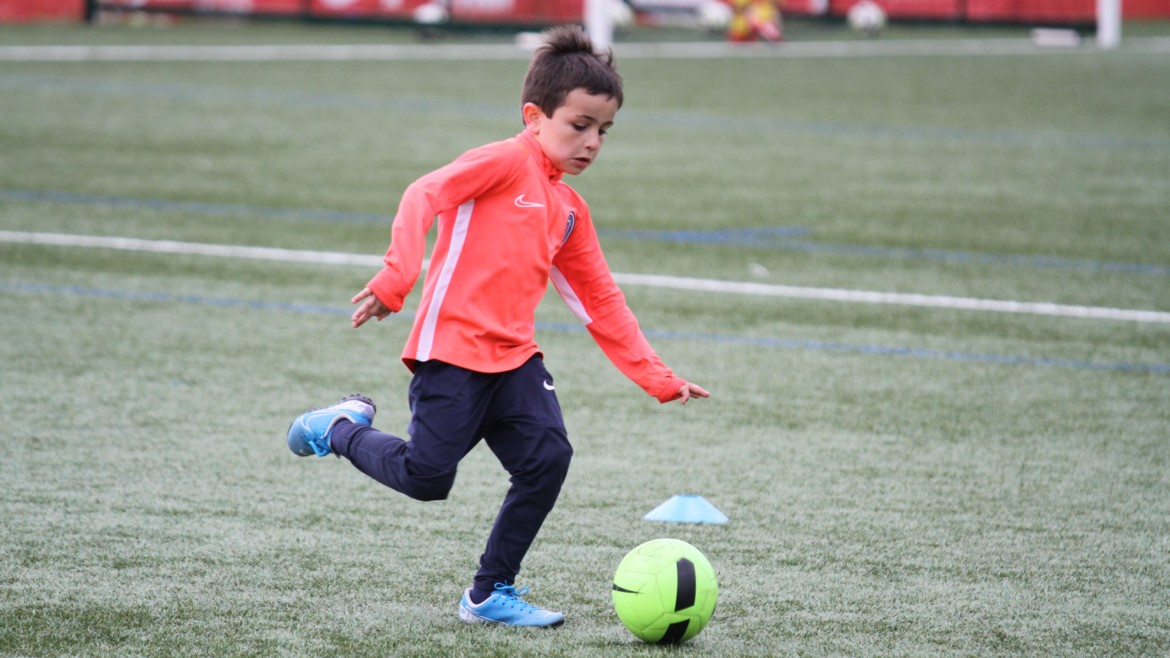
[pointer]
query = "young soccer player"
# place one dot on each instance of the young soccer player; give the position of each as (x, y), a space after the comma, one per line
(508, 224)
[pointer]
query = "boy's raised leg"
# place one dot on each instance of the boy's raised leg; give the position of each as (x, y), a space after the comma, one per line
(311, 432)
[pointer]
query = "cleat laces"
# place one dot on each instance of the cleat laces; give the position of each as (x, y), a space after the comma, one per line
(515, 597)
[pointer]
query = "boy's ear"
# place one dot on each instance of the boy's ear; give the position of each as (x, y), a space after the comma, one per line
(532, 115)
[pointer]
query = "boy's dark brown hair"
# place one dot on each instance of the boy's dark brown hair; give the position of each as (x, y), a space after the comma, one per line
(566, 61)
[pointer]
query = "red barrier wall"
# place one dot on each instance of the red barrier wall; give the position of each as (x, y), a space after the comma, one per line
(916, 9)
(25, 11)
(1007, 11)
(503, 12)
(1145, 9)
(540, 12)
(365, 8)
(549, 12)
(1033, 11)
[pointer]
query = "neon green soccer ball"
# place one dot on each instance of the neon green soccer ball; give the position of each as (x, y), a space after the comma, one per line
(664, 591)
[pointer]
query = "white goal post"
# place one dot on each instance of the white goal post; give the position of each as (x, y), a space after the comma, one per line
(1108, 24)
(599, 23)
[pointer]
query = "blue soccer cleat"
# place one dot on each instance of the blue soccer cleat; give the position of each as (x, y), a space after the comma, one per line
(309, 434)
(506, 608)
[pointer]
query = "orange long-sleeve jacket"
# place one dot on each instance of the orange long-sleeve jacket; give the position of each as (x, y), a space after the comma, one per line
(508, 225)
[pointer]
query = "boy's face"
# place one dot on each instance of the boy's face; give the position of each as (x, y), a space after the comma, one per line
(573, 135)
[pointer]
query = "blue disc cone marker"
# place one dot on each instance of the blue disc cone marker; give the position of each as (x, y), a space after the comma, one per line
(686, 508)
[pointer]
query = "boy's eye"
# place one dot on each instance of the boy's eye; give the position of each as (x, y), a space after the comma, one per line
(579, 127)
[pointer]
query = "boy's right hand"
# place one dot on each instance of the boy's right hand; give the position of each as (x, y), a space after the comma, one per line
(370, 307)
(691, 391)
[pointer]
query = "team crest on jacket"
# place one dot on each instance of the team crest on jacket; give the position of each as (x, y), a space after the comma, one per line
(569, 226)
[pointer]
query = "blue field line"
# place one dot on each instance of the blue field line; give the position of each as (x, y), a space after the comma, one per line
(171, 298)
(749, 125)
(755, 236)
(560, 327)
(763, 125)
(916, 353)
(785, 238)
(234, 96)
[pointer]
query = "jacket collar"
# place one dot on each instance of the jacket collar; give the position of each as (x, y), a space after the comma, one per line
(529, 142)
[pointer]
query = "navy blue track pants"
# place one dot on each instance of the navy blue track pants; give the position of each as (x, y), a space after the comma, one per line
(452, 409)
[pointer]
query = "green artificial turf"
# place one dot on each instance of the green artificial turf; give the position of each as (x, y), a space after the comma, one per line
(900, 481)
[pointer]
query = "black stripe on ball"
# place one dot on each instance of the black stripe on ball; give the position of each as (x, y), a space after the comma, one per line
(684, 596)
(675, 632)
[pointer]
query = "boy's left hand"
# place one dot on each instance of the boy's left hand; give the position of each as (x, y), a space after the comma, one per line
(690, 390)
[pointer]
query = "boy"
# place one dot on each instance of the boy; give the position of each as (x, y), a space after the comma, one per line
(507, 225)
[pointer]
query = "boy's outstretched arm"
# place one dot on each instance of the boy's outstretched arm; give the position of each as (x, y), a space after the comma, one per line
(690, 390)
(371, 307)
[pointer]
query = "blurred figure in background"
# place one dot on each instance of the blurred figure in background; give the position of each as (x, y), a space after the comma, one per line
(753, 20)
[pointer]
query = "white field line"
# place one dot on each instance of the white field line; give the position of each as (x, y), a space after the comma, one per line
(258, 53)
(191, 248)
(897, 298)
(650, 280)
(474, 52)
